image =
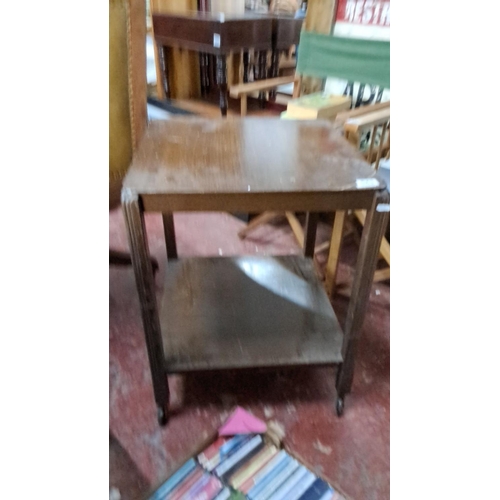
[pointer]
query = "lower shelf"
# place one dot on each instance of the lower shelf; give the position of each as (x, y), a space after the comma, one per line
(246, 311)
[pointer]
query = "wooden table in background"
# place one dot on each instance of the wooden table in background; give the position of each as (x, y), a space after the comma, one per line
(220, 34)
(248, 311)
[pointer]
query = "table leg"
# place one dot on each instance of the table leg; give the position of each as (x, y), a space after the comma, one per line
(212, 70)
(169, 229)
(134, 219)
(310, 234)
(373, 231)
(246, 60)
(205, 82)
(262, 60)
(332, 264)
(162, 57)
(222, 82)
(275, 67)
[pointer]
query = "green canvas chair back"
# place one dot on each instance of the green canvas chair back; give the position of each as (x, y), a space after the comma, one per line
(355, 60)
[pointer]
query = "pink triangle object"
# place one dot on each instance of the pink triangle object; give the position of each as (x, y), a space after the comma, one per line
(242, 422)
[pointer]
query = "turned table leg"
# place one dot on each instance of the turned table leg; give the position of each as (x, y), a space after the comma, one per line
(246, 61)
(222, 83)
(262, 73)
(205, 81)
(274, 72)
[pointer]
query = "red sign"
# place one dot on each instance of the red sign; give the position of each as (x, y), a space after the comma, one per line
(367, 12)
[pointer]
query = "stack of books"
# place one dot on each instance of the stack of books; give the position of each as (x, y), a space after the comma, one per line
(245, 466)
(190, 481)
(316, 106)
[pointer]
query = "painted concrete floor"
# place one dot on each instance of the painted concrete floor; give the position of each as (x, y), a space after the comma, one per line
(352, 452)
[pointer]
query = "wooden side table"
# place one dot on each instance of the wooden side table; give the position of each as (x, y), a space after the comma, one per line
(219, 34)
(211, 33)
(248, 311)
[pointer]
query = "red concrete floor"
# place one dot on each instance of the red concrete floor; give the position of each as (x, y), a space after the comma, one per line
(352, 452)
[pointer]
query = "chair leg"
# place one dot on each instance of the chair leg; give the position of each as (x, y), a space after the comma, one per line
(296, 227)
(322, 247)
(308, 245)
(347, 231)
(258, 221)
(385, 248)
(382, 275)
(243, 104)
(334, 255)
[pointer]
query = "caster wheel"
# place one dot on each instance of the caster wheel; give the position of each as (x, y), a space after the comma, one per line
(162, 416)
(339, 406)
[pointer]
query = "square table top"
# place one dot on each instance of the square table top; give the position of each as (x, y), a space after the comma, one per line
(196, 156)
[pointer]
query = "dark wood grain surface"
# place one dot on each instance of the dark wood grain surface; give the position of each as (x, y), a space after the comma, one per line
(241, 156)
(213, 33)
(286, 32)
(246, 311)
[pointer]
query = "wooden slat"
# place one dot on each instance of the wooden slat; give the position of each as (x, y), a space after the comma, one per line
(236, 91)
(322, 247)
(382, 274)
(353, 113)
(296, 227)
(368, 120)
(256, 222)
(288, 64)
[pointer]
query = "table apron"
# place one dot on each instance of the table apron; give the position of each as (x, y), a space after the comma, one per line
(207, 48)
(258, 202)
